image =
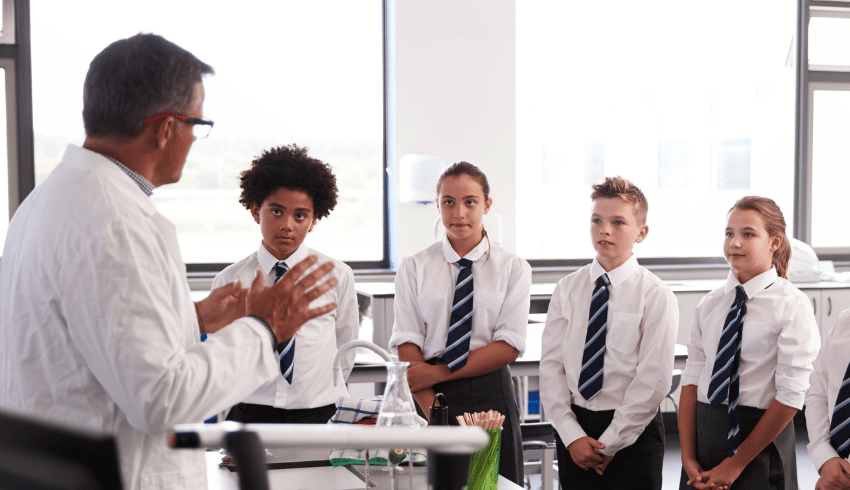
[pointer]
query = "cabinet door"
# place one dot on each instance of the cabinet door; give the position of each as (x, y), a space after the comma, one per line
(815, 297)
(833, 302)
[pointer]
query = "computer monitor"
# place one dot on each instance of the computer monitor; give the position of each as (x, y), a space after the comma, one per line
(36, 455)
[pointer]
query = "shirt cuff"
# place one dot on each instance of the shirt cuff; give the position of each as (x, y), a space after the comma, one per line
(821, 454)
(791, 391)
(399, 338)
(269, 328)
(692, 372)
(570, 430)
(513, 339)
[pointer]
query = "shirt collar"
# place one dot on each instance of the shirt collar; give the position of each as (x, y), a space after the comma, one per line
(754, 285)
(476, 253)
(142, 182)
(268, 261)
(616, 276)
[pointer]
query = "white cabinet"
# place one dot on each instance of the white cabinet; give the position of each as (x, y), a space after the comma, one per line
(828, 303)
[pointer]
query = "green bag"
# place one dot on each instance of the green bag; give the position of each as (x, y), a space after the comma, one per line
(484, 468)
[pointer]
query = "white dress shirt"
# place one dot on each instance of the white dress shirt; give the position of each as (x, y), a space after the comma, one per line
(826, 381)
(779, 342)
(424, 292)
(316, 342)
(98, 329)
(643, 316)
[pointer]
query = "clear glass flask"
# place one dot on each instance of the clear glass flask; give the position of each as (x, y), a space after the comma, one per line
(397, 410)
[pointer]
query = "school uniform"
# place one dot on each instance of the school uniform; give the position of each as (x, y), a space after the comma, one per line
(312, 395)
(642, 320)
(779, 343)
(424, 288)
(827, 379)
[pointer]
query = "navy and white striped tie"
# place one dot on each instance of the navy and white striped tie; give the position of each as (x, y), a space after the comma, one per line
(727, 368)
(593, 358)
(287, 347)
(460, 320)
(839, 428)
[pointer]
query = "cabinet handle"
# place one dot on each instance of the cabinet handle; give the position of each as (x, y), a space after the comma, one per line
(829, 305)
(815, 306)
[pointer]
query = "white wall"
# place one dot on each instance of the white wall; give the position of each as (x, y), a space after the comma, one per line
(455, 97)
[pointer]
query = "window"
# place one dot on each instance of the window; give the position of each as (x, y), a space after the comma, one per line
(693, 102)
(825, 120)
(830, 167)
(309, 73)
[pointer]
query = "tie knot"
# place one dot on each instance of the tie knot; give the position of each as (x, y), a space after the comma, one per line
(602, 281)
(280, 269)
(465, 263)
(740, 294)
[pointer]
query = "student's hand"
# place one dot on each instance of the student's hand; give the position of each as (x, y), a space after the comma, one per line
(585, 452)
(834, 475)
(285, 305)
(422, 376)
(723, 475)
(600, 468)
(222, 307)
(694, 472)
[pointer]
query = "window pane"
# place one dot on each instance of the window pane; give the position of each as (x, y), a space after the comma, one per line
(309, 73)
(830, 167)
(652, 92)
(828, 41)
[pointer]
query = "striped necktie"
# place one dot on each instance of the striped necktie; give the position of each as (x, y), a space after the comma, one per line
(287, 347)
(460, 320)
(593, 358)
(839, 428)
(727, 368)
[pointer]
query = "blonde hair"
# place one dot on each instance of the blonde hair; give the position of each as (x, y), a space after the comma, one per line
(774, 224)
(619, 187)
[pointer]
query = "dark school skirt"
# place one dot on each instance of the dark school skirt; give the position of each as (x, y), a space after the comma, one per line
(637, 467)
(492, 391)
(249, 413)
(775, 468)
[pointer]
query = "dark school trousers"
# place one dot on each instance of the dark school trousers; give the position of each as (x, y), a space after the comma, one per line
(774, 468)
(250, 413)
(635, 467)
(492, 391)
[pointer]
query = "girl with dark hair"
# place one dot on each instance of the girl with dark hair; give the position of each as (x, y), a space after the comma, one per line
(749, 364)
(461, 313)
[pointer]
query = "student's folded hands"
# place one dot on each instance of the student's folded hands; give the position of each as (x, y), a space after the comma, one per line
(721, 476)
(834, 475)
(585, 452)
(421, 375)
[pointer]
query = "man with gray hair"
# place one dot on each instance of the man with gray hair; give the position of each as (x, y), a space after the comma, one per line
(97, 326)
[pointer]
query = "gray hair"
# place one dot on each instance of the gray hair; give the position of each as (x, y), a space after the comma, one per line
(136, 78)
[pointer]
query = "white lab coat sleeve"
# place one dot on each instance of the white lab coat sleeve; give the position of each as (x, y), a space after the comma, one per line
(129, 314)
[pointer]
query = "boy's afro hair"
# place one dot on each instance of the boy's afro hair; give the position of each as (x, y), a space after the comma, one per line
(289, 167)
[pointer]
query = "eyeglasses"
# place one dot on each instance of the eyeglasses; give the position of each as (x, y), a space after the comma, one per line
(201, 126)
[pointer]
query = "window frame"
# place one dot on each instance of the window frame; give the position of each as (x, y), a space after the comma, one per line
(809, 79)
(15, 57)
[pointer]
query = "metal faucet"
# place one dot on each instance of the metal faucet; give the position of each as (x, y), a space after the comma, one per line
(340, 354)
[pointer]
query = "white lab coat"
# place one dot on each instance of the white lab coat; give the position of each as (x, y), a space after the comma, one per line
(99, 329)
